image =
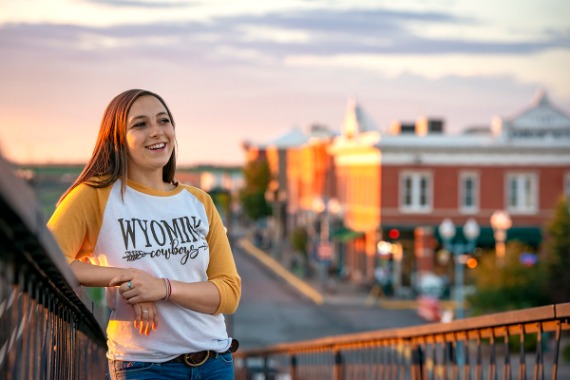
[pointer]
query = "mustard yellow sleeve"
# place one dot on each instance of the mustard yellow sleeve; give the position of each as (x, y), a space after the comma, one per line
(76, 222)
(222, 271)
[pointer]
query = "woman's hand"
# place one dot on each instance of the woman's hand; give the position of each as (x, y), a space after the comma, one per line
(146, 317)
(137, 286)
(140, 290)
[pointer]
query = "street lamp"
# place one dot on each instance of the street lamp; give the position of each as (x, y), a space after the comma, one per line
(272, 197)
(325, 208)
(447, 233)
(501, 222)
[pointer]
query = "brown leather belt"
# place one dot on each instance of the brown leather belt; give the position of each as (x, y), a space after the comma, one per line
(196, 359)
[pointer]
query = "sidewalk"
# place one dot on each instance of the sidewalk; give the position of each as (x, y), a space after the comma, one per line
(339, 293)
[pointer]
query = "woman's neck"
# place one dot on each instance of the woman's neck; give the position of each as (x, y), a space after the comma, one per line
(153, 181)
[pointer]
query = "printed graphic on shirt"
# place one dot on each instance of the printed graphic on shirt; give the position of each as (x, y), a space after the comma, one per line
(178, 238)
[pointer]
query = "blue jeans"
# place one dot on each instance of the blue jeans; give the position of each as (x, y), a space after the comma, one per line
(218, 368)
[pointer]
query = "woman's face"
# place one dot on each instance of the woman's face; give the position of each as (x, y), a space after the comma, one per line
(150, 136)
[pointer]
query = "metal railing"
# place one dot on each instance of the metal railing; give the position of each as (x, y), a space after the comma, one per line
(522, 344)
(49, 329)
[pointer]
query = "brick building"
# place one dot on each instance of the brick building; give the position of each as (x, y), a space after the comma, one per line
(417, 174)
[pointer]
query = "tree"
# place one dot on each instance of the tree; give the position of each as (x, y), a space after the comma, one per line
(510, 287)
(557, 253)
(252, 197)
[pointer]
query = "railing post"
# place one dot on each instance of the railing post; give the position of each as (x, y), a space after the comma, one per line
(338, 366)
(417, 363)
(265, 367)
(293, 367)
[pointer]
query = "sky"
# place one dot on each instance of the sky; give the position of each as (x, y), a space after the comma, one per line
(235, 71)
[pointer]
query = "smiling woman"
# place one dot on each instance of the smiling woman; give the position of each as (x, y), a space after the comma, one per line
(158, 247)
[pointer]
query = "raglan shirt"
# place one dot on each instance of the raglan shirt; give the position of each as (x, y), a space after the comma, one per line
(174, 234)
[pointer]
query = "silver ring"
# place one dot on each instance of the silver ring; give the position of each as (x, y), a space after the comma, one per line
(145, 311)
(129, 285)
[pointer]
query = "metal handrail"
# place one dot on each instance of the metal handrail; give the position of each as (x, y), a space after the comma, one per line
(474, 348)
(49, 328)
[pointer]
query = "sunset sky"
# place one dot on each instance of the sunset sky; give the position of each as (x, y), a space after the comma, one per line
(251, 70)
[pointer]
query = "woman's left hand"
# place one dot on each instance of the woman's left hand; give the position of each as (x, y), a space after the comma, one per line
(146, 317)
(138, 286)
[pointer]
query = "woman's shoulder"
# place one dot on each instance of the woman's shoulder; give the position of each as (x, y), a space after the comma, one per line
(196, 191)
(89, 189)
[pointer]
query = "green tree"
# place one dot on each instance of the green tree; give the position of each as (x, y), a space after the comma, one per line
(557, 253)
(252, 197)
(510, 287)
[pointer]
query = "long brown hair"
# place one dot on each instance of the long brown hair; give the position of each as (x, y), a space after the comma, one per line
(108, 161)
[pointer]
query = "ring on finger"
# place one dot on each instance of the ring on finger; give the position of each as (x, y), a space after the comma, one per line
(129, 285)
(145, 311)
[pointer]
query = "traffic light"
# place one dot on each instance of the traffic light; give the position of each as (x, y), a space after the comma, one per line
(393, 233)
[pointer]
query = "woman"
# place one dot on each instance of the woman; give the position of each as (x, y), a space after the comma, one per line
(158, 247)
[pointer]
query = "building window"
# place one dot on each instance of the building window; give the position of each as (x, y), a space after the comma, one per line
(522, 193)
(469, 192)
(415, 193)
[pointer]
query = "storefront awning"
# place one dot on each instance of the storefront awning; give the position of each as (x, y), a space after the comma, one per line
(527, 235)
(344, 235)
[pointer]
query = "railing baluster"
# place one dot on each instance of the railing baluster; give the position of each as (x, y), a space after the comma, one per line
(507, 364)
(539, 361)
(557, 337)
(433, 359)
(467, 364)
(338, 366)
(455, 359)
(479, 368)
(522, 363)
(492, 357)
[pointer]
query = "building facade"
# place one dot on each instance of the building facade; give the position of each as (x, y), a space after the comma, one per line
(410, 180)
(401, 185)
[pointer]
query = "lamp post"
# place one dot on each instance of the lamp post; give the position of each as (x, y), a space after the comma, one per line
(272, 196)
(501, 222)
(324, 208)
(447, 233)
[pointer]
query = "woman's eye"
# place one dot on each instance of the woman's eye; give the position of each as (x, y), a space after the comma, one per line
(165, 121)
(139, 125)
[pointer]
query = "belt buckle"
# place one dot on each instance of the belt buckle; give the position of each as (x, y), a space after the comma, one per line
(189, 362)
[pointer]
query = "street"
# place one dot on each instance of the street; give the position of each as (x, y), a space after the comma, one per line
(272, 311)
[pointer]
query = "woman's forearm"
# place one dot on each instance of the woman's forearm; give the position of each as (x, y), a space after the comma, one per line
(203, 297)
(94, 275)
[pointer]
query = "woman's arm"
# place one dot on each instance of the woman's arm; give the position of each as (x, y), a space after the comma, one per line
(202, 297)
(94, 275)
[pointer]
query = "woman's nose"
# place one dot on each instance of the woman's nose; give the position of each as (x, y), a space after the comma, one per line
(155, 130)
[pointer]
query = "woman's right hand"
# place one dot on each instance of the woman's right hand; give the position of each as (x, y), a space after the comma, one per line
(146, 317)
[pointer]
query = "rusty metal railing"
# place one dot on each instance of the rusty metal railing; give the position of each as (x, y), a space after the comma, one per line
(48, 328)
(522, 344)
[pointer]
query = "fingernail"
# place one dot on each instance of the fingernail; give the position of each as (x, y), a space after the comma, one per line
(136, 324)
(153, 326)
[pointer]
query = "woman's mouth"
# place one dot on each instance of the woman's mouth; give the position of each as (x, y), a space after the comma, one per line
(156, 146)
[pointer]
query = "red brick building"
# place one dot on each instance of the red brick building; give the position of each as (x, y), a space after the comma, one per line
(420, 175)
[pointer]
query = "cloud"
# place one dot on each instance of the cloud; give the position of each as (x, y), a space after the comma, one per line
(281, 35)
(142, 4)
